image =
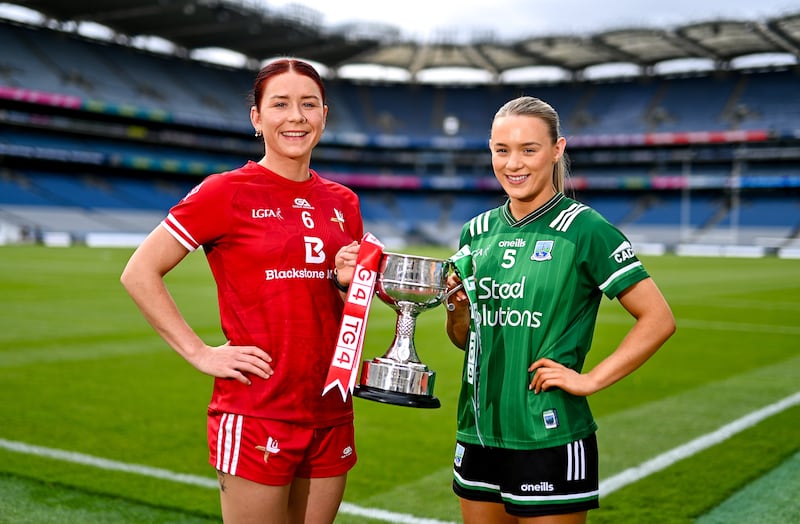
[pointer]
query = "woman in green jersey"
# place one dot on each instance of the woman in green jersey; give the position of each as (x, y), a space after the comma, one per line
(534, 271)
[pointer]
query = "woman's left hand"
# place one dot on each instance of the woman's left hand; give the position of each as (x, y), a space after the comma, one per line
(548, 374)
(345, 262)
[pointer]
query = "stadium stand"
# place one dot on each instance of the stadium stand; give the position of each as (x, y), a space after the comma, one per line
(102, 137)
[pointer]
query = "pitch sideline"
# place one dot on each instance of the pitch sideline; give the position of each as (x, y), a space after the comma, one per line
(668, 458)
(607, 486)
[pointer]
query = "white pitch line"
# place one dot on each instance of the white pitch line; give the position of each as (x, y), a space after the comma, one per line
(607, 486)
(184, 478)
(631, 475)
(386, 516)
(110, 465)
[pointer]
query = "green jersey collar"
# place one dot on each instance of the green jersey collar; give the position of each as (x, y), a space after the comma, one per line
(533, 215)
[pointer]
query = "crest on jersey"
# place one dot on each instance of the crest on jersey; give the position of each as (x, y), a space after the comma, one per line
(339, 218)
(271, 447)
(542, 250)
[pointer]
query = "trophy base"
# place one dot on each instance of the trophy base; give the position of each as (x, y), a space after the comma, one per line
(398, 399)
(400, 383)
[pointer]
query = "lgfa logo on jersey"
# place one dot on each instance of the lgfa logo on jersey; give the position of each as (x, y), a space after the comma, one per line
(266, 213)
(623, 252)
(542, 250)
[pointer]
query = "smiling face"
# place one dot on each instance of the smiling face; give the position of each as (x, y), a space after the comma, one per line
(523, 158)
(291, 115)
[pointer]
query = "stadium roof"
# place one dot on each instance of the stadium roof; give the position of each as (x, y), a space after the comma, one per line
(261, 33)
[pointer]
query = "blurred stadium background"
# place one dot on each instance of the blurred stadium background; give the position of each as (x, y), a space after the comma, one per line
(687, 137)
(101, 135)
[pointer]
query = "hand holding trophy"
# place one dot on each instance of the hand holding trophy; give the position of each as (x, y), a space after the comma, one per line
(409, 285)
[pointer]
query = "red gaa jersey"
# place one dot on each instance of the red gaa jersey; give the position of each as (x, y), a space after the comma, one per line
(270, 243)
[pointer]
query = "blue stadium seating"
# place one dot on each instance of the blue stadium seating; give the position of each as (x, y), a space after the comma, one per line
(769, 211)
(17, 190)
(771, 101)
(694, 104)
(62, 63)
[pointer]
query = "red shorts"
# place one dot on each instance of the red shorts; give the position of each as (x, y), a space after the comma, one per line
(275, 453)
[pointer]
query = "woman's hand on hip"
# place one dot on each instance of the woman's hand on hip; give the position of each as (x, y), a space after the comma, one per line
(549, 374)
(236, 362)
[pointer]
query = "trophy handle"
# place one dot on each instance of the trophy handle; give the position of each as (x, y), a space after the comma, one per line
(446, 299)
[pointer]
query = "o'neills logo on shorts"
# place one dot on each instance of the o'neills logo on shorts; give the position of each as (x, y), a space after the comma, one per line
(295, 273)
(542, 486)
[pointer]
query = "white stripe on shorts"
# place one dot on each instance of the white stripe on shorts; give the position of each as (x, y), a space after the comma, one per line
(229, 438)
(576, 461)
(476, 484)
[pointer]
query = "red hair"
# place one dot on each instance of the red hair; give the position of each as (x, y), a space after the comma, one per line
(278, 67)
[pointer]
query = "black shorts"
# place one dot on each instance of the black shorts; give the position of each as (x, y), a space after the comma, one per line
(530, 483)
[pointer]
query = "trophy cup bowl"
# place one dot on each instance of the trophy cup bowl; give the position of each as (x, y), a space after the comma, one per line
(409, 285)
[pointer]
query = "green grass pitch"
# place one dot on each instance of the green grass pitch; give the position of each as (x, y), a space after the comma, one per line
(81, 372)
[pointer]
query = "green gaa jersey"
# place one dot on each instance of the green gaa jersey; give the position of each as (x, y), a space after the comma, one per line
(537, 285)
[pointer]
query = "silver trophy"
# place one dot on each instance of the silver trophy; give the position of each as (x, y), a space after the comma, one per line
(409, 285)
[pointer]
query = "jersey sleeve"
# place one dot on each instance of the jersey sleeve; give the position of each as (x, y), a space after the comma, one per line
(203, 215)
(467, 230)
(465, 237)
(609, 257)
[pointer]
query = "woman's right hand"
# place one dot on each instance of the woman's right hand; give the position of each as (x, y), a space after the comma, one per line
(236, 362)
(143, 278)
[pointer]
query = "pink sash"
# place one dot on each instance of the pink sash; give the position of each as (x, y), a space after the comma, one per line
(347, 357)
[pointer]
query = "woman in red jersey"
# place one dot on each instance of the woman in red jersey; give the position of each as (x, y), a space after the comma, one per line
(275, 235)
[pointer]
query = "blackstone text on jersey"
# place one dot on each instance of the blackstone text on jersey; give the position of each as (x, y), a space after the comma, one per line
(298, 273)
